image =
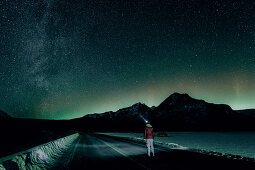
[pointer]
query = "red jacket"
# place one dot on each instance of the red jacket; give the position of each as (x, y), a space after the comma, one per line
(148, 133)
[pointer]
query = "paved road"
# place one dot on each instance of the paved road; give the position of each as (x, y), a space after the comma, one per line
(110, 153)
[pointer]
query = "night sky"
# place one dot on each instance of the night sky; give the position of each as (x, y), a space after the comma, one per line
(62, 59)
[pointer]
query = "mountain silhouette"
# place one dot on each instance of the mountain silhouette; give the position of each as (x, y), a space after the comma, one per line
(248, 112)
(128, 119)
(178, 112)
(4, 116)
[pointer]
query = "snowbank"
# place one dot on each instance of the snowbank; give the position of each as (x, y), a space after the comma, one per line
(45, 156)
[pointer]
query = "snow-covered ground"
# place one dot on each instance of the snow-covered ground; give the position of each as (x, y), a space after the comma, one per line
(45, 156)
(234, 143)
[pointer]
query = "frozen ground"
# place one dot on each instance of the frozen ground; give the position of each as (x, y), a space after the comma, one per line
(235, 143)
(47, 156)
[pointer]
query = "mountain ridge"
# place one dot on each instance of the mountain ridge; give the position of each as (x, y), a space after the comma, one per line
(176, 112)
(4, 115)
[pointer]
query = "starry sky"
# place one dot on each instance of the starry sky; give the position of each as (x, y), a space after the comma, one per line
(62, 59)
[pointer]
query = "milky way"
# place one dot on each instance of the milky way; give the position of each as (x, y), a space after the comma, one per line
(64, 59)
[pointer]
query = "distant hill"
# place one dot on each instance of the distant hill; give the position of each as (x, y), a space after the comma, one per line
(248, 112)
(179, 112)
(4, 115)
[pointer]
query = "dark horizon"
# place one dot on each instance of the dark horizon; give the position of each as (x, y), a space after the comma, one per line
(175, 93)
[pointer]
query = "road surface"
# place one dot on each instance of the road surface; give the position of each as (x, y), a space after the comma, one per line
(112, 153)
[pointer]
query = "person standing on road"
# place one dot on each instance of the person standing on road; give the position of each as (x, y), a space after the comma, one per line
(148, 138)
